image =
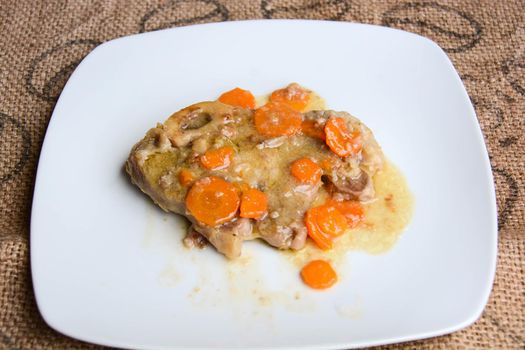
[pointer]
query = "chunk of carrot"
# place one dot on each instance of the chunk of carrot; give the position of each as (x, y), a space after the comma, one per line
(324, 224)
(318, 274)
(238, 97)
(254, 204)
(352, 210)
(340, 140)
(305, 170)
(294, 96)
(213, 201)
(277, 119)
(218, 158)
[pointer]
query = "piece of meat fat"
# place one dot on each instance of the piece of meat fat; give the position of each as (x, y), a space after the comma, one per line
(194, 239)
(360, 188)
(182, 129)
(228, 238)
(300, 234)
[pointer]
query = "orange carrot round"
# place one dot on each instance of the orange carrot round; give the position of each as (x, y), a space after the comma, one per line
(216, 159)
(312, 129)
(293, 95)
(186, 177)
(324, 224)
(276, 119)
(352, 210)
(340, 140)
(254, 204)
(213, 201)
(331, 221)
(305, 170)
(238, 97)
(318, 274)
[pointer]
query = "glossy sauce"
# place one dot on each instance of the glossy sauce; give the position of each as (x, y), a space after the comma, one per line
(386, 217)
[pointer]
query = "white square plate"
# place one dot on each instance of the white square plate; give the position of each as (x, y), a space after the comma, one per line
(108, 266)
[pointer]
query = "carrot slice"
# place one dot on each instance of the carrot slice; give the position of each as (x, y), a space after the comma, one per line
(312, 129)
(324, 223)
(305, 170)
(331, 221)
(318, 274)
(185, 177)
(340, 140)
(216, 159)
(322, 240)
(352, 210)
(294, 96)
(277, 119)
(254, 204)
(238, 97)
(213, 201)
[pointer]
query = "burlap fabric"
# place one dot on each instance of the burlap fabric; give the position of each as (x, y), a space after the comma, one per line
(41, 42)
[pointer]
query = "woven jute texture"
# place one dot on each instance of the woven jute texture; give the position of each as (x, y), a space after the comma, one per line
(41, 42)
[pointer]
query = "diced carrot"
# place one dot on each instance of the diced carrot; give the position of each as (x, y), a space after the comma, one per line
(277, 119)
(305, 170)
(238, 97)
(213, 201)
(294, 95)
(186, 177)
(340, 140)
(216, 159)
(312, 129)
(324, 223)
(352, 210)
(254, 204)
(318, 274)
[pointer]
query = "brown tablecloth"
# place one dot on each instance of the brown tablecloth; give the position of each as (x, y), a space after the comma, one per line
(41, 42)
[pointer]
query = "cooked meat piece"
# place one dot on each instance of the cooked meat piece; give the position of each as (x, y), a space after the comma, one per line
(353, 175)
(194, 239)
(155, 164)
(228, 238)
(201, 120)
(288, 202)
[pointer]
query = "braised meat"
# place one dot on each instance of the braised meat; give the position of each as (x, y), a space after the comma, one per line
(234, 177)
